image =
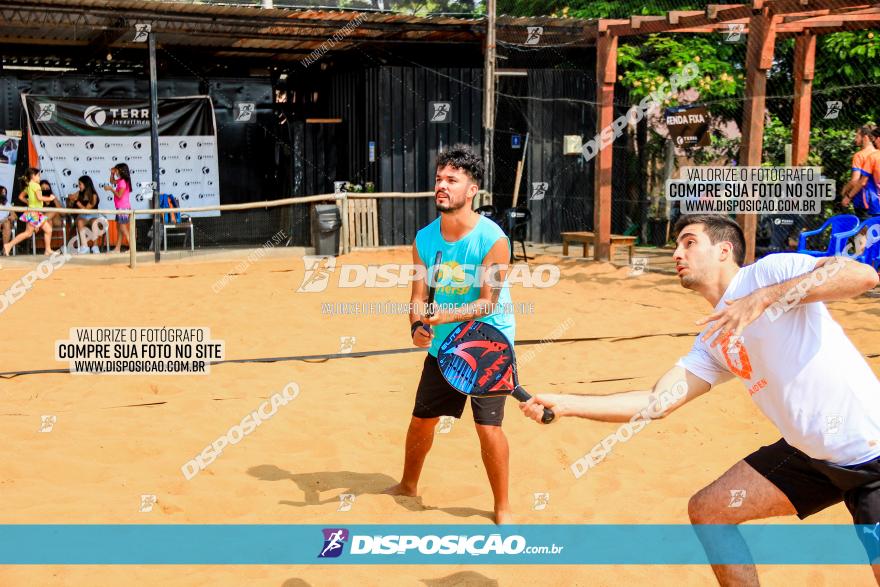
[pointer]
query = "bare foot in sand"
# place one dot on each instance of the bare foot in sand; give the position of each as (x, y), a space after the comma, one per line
(6, 249)
(503, 517)
(401, 489)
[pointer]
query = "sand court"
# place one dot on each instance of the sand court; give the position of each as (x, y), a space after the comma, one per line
(116, 438)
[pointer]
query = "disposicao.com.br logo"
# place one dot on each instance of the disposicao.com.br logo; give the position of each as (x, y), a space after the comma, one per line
(335, 540)
(318, 271)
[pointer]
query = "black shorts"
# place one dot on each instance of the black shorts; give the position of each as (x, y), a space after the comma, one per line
(812, 485)
(435, 398)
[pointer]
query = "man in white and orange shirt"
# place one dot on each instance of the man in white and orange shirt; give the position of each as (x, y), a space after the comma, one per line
(771, 329)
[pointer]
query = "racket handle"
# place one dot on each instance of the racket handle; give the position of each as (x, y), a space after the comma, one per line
(417, 324)
(522, 395)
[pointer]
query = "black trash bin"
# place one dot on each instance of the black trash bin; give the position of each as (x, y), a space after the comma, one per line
(326, 224)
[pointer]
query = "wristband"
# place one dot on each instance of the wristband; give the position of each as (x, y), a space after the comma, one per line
(414, 327)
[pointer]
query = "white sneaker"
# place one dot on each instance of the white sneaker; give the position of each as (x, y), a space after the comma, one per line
(95, 250)
(83, 250)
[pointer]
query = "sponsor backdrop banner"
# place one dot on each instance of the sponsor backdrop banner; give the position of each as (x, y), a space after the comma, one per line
(8, 155)
(86, 136)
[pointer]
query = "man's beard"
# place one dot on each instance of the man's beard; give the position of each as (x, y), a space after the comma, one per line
(450, 205)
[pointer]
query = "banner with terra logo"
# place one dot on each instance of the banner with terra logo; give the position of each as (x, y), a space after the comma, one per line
(88, 136)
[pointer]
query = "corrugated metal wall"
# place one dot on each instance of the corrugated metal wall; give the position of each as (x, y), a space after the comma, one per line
(568, 204)
(389, 106)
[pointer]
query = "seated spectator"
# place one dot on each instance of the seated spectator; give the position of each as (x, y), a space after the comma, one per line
(86, 198)
(7, 219)
(54, 218)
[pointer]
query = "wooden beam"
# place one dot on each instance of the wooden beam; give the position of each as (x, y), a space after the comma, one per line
(636, 21)
(717, 28)
(826, 30)
(673, 15)
(759, 58)
(795, 6)
(804, 70)
(604, 24)
(864, 21)
(830, 18)
(606, 74)
(712, 10)
(693, 20)
(723, 13)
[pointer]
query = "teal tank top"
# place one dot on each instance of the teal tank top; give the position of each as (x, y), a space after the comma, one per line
(458, 278)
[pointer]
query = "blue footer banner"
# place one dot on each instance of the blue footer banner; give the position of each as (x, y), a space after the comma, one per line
(194, 544)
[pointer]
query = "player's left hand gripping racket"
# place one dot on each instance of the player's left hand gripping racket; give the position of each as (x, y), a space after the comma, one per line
(478, 360)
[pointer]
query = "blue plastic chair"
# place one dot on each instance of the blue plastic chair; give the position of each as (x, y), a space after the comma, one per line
(840, 225)
(871, 254)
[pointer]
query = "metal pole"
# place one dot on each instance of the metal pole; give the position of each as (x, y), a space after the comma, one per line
(489, 97)
(154, 141)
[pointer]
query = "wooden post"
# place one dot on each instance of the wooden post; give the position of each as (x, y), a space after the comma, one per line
(132, 239)
(346, 228)
(489, 99)
(606, 74)
(759, 58)
(804, 69)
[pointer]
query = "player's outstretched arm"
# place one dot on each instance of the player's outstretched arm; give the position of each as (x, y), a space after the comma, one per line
(833, 278)
(674, 389)
(846, 279)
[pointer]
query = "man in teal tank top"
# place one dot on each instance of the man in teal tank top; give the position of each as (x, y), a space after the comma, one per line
(470, 286)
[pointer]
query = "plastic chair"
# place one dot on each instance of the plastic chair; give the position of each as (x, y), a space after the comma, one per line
(841, 224)
(55, 229)
(517, 222)
(489, 211)
(871, 254)
(175, 221)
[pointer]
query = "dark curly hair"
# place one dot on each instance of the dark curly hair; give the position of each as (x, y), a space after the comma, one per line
(462, 157)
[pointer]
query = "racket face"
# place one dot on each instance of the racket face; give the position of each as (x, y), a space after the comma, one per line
(477, 360)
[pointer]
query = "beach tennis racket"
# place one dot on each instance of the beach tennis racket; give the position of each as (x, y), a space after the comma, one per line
(478, 360)
(432, 288)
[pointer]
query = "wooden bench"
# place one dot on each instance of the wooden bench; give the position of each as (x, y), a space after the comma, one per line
(589, 238)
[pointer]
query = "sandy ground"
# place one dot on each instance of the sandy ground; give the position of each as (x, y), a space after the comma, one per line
(344, 433)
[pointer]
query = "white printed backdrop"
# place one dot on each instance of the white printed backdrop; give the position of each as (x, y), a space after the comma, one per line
(8, 153)
(75, 137)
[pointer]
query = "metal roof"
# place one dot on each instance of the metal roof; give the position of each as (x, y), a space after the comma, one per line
(278, 33)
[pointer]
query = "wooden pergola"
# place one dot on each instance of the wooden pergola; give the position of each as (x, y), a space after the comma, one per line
(764, 21)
